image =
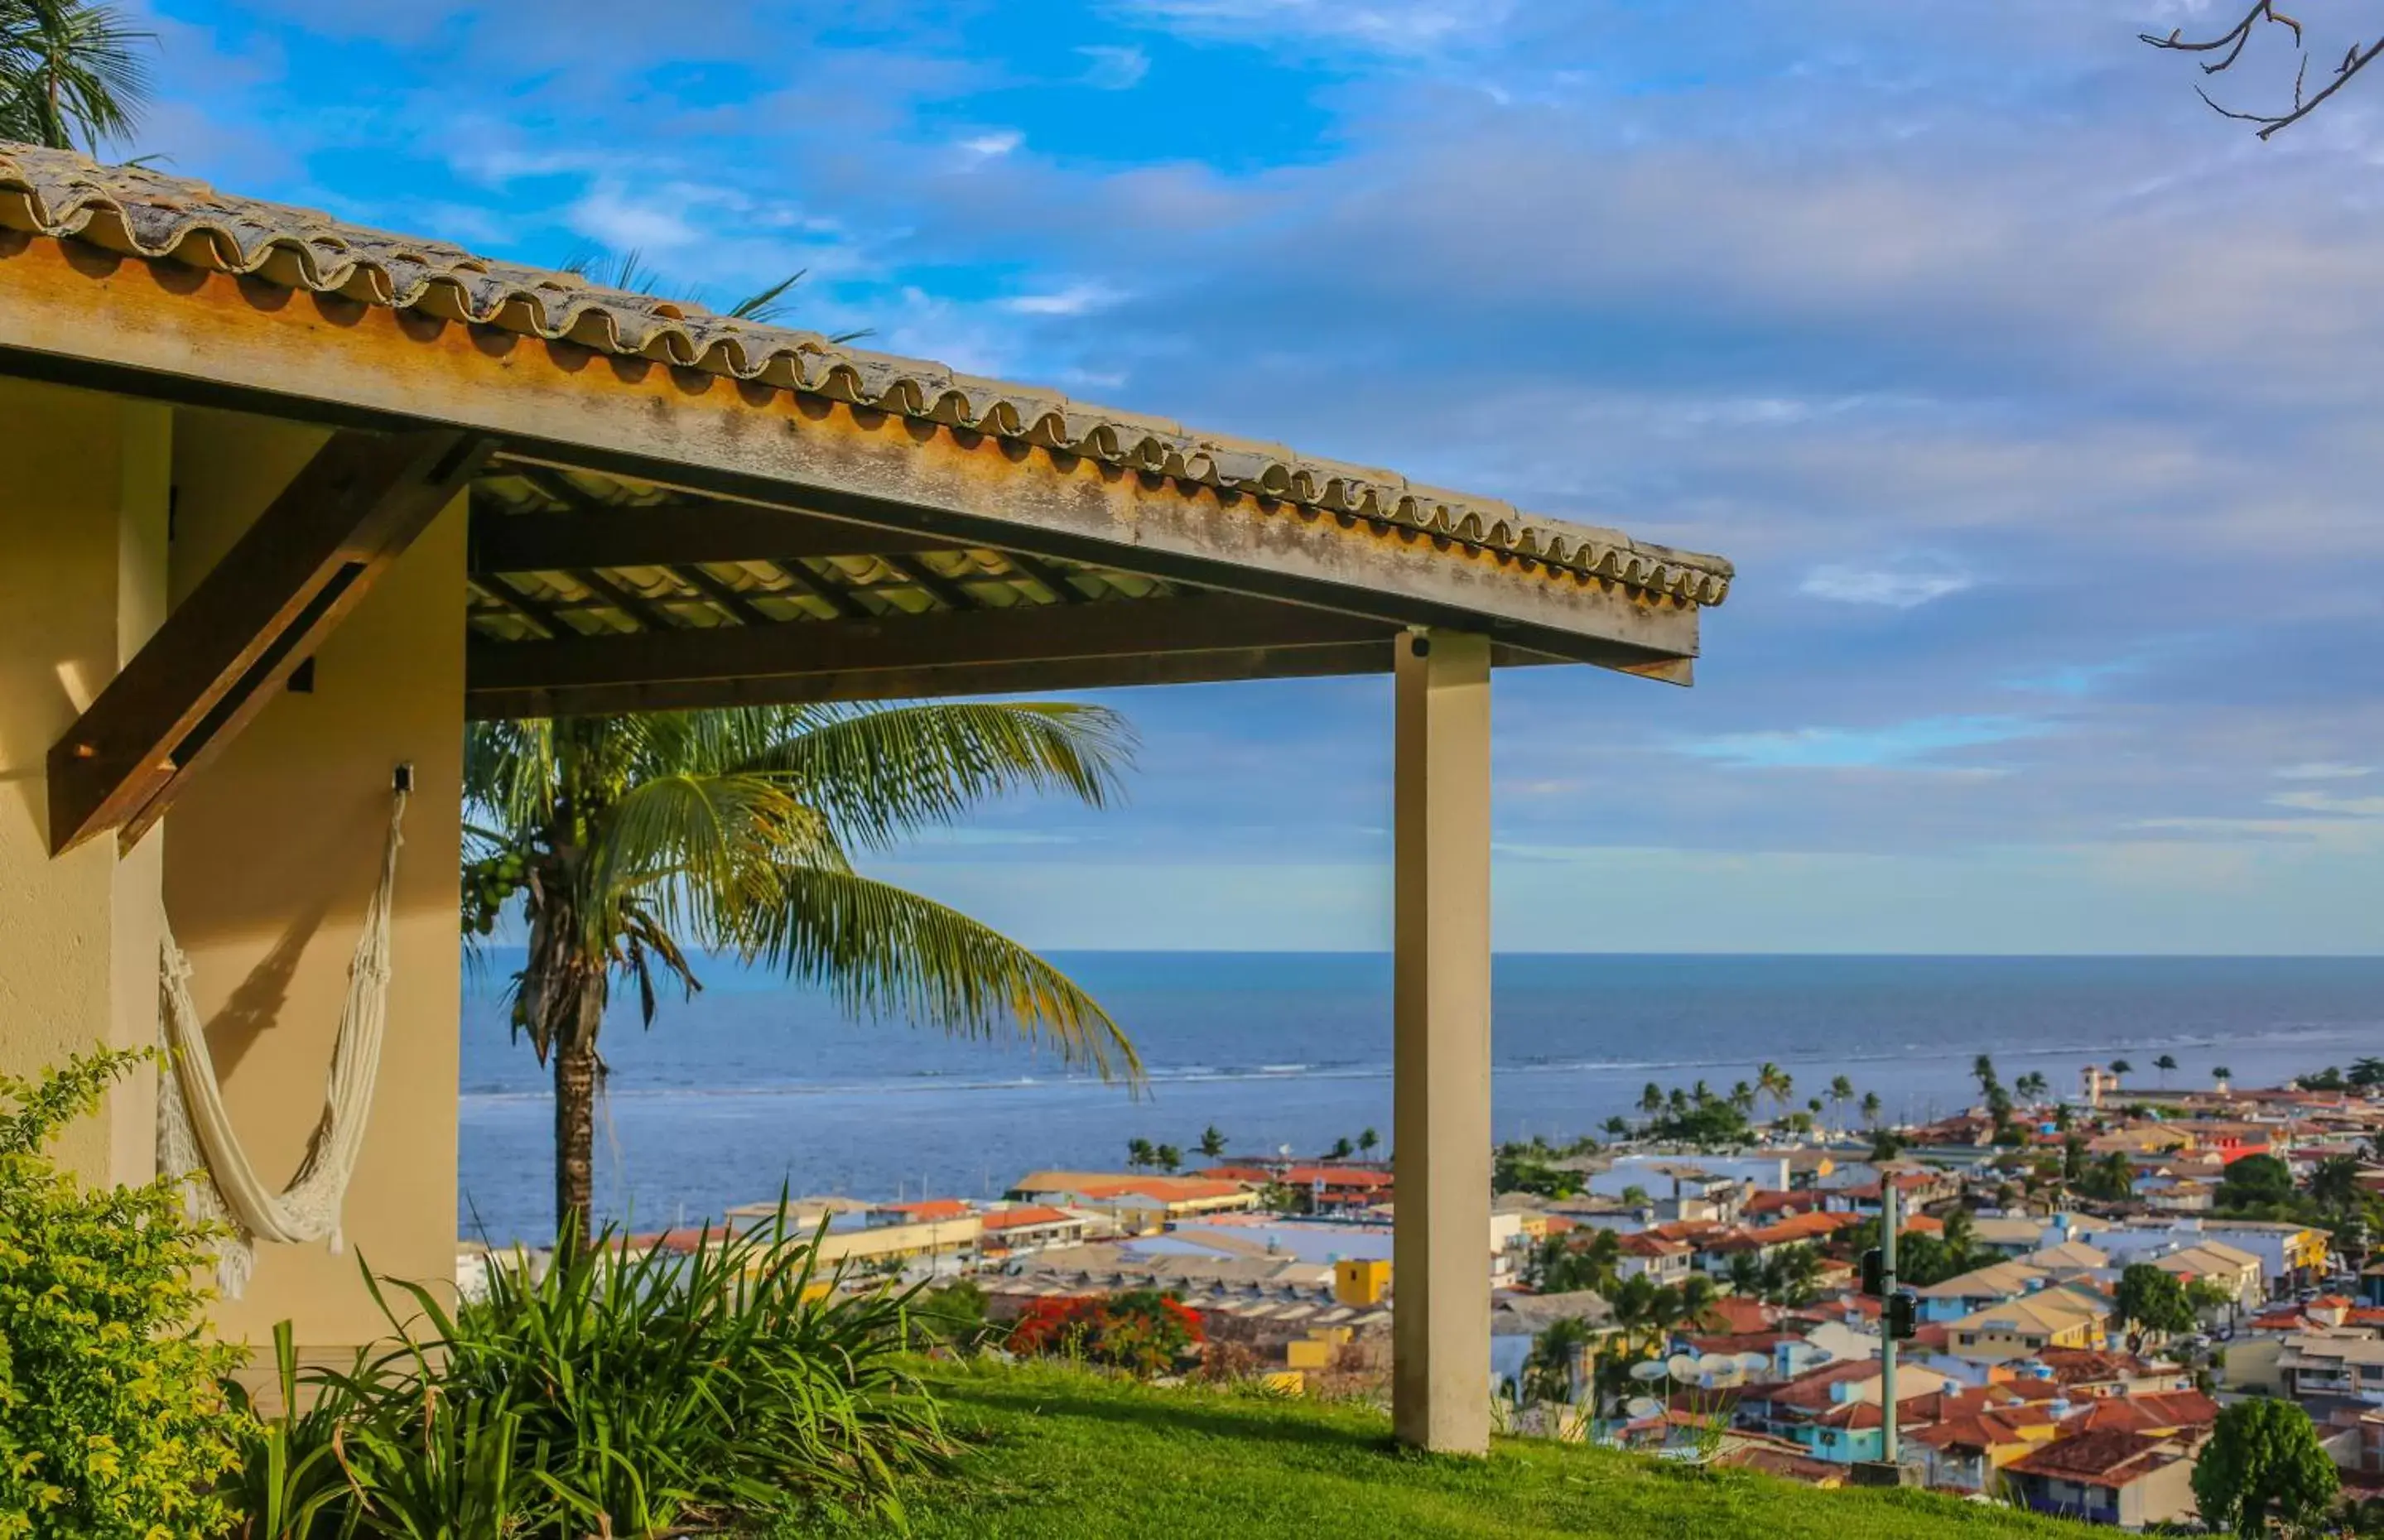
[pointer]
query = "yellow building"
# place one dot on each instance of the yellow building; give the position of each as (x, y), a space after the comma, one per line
(2028, 1323)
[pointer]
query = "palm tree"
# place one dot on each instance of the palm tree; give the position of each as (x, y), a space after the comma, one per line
(1982, 1069)
(1872, 1107)
(2033, 1085)
(2221, 1074)
(1140, 1153)
(640, 842)
(2120, 1069)
(1741, 1096)
(2165, 1063)
(1772, 1081)
(1368, 1140)
(1651, 1098)
(1842, 1090)
(71, 74)
(1213, 1143)
(1617, 1128)
(1170, 1159)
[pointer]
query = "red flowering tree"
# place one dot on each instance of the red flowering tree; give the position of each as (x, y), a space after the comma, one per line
(1142, 1331)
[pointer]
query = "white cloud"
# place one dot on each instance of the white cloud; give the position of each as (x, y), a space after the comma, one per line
(992, 145)
(608, 215)
(1077, 299)
(1392, 26)
(2324, 771)
(2318, 801)
(1110, 67)
(1902, 589)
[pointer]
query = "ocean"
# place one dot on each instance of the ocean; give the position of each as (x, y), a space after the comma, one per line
(753, 1085)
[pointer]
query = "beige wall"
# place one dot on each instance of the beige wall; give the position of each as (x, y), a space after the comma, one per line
(271, 855)
(82, 573)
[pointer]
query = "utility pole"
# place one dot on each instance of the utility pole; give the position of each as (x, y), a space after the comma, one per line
(1898, 1314)
(1888, 1195)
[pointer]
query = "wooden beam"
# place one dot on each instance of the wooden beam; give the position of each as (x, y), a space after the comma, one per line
(263, 610)
(637, 606)
(941, 682)
(835, 596)
(1035, 570)
(910, 649)
(942, 589)
(73, 313)
(672, 536)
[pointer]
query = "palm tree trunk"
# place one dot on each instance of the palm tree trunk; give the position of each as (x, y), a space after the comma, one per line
(576, 1070)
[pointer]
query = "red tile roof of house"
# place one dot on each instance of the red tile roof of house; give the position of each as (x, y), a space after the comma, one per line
(1020, 1216)
(1336, 1176)
(1975, 1430)
(1810, 1390)
(1807, 1200)
(928, 1210)
(2074, 1366)
(1736, 1312)
(2112, 1459)
(1166, 1189)
(1740, 1342)
(1803, 1227)
(1645, 1244)
(1255, 1175)
(2175, 1408)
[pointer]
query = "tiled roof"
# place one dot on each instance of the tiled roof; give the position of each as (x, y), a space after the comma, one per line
(1018, 1216)
(146, 214)
(2175, 1408)
(2107, 1459)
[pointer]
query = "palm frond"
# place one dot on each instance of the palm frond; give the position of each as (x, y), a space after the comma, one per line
(881, 950)
(71, 71)
(697, 851)
(880, 773)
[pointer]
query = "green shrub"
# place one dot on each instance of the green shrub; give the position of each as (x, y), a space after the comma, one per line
(616, 1392)
(112, 1421)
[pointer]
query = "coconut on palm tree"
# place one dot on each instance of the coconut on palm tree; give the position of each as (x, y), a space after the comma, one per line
(640, 843)
(71, 73)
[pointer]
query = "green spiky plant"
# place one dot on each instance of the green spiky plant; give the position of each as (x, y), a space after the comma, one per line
(639, 843)
(71, 73)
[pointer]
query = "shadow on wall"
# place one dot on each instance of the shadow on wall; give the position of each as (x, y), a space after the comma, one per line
(255, 1004)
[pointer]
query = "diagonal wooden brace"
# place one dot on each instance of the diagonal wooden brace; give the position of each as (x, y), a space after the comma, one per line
(289, 580)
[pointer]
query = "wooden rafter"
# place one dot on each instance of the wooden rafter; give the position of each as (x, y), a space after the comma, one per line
(671, 535)
(288, 581)
(941, 652)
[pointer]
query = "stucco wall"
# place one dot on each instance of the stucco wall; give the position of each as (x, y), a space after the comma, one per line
(271, 855)
(82, 575)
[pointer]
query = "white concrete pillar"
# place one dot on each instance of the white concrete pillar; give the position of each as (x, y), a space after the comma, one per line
(1440, 1271)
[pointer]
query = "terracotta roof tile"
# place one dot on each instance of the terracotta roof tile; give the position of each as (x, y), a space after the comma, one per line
(148, 214)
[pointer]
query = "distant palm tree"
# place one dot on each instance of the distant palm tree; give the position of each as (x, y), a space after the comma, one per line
(2032, 1085)
(1367, 1141)
(1140, 1153)
(1983, 1070)
(1678, 1102)
(639, 843)
(1213, 1143)
(1701, 1095)
(2165, 1063)
(1741, 1096)
(1617, 1128)
(1774, 1082)
(1872, 1107)
(1170, 1159)
(2221, 1074)
(1842, 1090)
(1651, 1098)
(71, 74)
(1342, 1149)
(2121, 1067)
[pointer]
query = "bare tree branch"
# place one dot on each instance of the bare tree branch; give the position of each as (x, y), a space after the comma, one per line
(2230, 45)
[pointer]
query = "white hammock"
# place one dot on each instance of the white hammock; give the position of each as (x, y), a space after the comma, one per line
(195, 1138)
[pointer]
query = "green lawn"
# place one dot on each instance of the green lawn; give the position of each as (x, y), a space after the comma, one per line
(1056, 1454)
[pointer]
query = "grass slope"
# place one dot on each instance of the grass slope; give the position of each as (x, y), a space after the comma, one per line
(1056, 1454)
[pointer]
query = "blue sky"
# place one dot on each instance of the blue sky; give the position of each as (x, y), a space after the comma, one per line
(2035, 403)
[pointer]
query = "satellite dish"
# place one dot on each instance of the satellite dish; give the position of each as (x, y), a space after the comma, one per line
(1683, 1365)
(1752, 1362)
(1643, 1406)
(1718, 1366)
(1649, 1372)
